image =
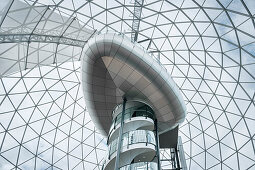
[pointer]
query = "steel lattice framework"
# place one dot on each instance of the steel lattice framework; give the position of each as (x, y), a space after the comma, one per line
(207, 46)
(17, 38)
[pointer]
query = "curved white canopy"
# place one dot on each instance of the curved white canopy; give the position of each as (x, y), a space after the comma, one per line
(113, 68)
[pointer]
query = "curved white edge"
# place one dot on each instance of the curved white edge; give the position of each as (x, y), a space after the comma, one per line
(128, 153)
(132, 124)
(122, 49)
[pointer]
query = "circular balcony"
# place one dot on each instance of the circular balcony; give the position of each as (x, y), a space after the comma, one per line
(135, 118)
(141, 166)
(135, 145)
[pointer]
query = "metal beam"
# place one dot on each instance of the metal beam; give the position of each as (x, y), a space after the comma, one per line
(136, 19)
(177, 158)
(55, 56)
(5, 13)
(157, 144)
(16, 38)
(28, 42)
(120, 135)
(181, 154)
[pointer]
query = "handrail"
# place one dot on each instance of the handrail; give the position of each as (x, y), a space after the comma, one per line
(132, 137)
(140, 165)
(129, 114)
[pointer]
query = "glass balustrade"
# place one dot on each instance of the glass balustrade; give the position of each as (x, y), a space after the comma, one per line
(143, 111)
(141, 166)
(132, 137)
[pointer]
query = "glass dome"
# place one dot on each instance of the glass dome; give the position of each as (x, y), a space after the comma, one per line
(207, 47)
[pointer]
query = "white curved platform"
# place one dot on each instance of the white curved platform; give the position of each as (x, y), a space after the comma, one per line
(135, 123)
(140, 165)
(114, 67)
(129, 152)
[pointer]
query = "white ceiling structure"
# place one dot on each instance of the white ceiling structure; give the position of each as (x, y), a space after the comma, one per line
(207, 47)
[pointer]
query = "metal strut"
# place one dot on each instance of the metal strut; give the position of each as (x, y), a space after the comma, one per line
(177, 158)
(136, 19)
(120, 134)
(157, 144)
(17, 38)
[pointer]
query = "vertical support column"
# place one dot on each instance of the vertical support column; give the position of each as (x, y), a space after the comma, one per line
(181, 154)
(120, 134)
(177, 158)
(157, 144)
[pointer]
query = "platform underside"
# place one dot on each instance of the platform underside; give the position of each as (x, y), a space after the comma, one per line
(113, 67)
